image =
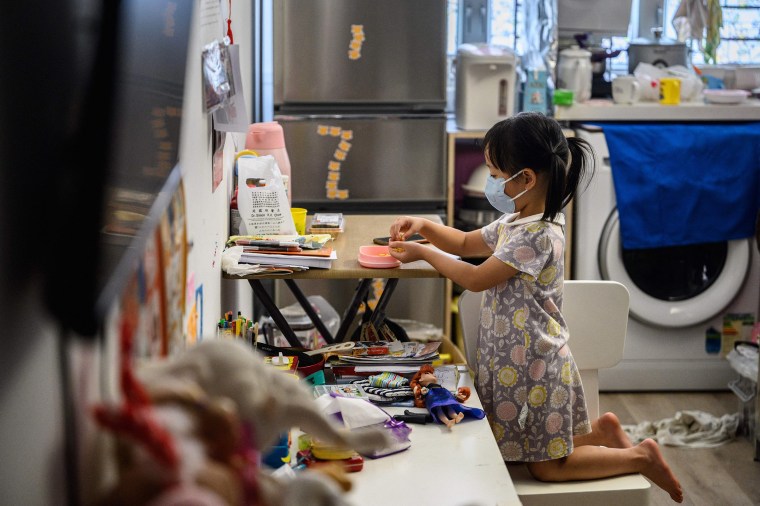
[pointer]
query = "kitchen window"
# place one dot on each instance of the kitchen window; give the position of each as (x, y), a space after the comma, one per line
(740, 34)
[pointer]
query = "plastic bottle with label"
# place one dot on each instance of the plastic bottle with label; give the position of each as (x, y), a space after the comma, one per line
(268, 139)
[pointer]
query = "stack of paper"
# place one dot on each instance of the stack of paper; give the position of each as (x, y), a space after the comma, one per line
(320, 259)
(293, 255)
(409, 360)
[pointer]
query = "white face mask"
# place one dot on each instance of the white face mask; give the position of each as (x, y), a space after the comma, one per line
(495, 194)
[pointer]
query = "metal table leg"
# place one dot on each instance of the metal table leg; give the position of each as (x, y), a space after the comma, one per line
(274, 312)
(306, 305)
(382, 302)
(348, 317)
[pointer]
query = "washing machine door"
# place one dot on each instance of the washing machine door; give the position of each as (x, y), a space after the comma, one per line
(675, 286)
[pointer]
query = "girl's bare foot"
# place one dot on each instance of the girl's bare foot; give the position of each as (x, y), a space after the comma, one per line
(612, 432)
(459, 417)
(657, 470)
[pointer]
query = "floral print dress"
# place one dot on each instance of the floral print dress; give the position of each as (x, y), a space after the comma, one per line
(525, 375)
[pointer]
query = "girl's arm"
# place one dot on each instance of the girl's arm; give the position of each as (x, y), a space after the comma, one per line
(475, 278)
(448, 239)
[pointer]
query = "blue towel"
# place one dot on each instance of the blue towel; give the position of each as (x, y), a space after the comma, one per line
(684, 183)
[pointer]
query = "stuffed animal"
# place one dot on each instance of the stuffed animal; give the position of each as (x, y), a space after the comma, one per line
(204, 437)
(183, 421)
(265, 398)
(445, 407)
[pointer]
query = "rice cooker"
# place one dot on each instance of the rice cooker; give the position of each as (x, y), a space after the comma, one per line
(659, 52)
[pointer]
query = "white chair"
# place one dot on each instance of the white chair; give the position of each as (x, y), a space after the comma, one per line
(597, 316)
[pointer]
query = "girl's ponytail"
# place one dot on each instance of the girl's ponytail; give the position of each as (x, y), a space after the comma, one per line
(581, 167)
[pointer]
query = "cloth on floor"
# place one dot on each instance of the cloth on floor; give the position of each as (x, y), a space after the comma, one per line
(684, 183)
(692, 429)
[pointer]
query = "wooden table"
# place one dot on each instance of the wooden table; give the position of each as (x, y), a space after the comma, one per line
(359, 231)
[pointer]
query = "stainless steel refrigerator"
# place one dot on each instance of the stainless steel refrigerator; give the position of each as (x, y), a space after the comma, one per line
(360, 91)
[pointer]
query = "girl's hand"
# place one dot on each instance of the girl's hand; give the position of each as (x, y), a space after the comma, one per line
(405, 226)
(406, 251)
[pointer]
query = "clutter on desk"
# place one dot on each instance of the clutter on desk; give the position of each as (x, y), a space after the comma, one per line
(276, 254)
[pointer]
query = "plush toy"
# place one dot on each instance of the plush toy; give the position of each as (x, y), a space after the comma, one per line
(265, 398)
(445, 407)
(191, 427)
(205, 441)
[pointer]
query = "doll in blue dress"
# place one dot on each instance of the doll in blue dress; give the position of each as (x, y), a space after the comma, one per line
(446, 407)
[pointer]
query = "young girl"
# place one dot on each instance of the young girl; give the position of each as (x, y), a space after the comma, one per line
(525, 374)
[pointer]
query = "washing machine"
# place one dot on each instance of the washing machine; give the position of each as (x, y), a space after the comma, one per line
(677, 294)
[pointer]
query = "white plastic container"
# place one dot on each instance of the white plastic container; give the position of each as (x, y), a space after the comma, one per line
(268, 139)
(485, 90)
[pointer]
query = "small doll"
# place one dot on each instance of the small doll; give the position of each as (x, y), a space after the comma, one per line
(445, 407)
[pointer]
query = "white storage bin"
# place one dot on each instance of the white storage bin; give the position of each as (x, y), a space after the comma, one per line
(485, 85)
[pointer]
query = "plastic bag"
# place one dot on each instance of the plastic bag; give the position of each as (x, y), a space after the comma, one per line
(360, 415)
(262, 201)
(649, 77)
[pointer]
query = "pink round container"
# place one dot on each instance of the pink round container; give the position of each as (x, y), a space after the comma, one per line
(377, 257)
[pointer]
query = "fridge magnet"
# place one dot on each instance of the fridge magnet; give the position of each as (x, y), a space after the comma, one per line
(339, 155)
(357, 39)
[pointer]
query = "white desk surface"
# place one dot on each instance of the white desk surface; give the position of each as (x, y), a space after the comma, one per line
(460, 467)
(606, 110)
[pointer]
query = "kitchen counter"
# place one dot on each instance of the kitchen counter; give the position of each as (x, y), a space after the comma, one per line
(606, 110)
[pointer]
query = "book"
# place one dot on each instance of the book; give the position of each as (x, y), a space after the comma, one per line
(327, 220)
(288, 260)
(324, 251)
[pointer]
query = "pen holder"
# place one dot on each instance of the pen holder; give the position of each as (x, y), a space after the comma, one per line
(299, 219)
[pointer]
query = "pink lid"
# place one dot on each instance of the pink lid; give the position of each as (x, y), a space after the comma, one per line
(265, 136)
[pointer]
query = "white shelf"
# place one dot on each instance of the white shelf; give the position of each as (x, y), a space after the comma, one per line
(606, 110)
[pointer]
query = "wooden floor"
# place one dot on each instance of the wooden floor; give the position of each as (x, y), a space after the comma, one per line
(727, 475)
